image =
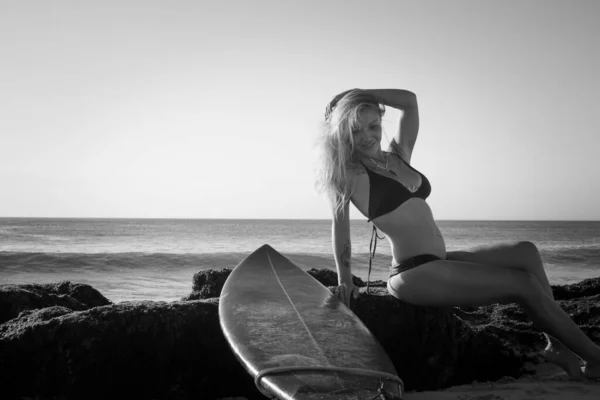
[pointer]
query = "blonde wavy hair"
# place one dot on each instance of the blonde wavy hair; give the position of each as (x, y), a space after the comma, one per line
(336, 146)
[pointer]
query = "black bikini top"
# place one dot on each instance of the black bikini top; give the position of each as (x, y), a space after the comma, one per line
(387, 194)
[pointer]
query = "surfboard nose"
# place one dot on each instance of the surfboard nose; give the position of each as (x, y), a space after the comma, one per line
(265, 247)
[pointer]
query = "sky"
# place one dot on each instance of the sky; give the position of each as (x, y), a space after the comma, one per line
(211, 109)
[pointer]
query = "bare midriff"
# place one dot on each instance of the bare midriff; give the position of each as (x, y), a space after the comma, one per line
(412, 231)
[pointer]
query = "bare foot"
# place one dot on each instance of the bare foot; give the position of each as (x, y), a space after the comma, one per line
(565, 359)
(591, 370)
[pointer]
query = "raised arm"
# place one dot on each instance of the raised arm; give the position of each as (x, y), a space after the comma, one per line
(405, 138)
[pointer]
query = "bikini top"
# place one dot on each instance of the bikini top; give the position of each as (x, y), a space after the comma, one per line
(387, 194)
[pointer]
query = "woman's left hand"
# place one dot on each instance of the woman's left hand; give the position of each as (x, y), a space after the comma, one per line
(346, 292)
(335, 100)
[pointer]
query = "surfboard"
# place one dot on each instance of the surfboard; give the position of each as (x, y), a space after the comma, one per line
(296, 338)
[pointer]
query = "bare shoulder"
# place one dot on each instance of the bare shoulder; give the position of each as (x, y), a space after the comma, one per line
(356, 169)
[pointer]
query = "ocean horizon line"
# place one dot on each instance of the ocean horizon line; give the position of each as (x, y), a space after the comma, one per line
(278, 219)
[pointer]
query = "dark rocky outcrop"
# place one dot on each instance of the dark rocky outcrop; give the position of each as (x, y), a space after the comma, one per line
(32, 317)
(75, 296)
(581, 301)
(208, 283)
(430, 347)
(154, 350)
(587, 287)
(134, 350)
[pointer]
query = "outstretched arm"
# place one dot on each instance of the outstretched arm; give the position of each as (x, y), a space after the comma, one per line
(405, 138)
(345, 291)
(342, 250)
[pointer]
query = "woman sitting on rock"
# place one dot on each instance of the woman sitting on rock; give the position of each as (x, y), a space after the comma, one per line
(386, 189)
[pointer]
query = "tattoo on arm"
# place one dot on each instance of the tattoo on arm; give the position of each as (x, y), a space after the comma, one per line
(346, 254)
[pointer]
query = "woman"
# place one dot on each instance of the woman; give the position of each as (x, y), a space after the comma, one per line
(385, 188)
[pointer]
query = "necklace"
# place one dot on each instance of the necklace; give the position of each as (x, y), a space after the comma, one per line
(386, 165)
(412, 189)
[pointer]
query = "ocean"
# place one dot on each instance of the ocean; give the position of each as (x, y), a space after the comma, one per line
(155, 259)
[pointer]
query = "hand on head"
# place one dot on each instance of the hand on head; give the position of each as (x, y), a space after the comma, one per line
(356, 95)
(331, 106)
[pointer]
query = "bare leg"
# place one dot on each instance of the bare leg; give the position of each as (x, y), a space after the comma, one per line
(446, 283)
(525, 256)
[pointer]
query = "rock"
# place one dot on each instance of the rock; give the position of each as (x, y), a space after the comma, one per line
(585, 288)
(177, 350)
(430, 347)
(208, 283)
(328, 277)
(141, 350)
(29, 317)
(514, 328)
(233, 398)
(75, 296)
(504, 326)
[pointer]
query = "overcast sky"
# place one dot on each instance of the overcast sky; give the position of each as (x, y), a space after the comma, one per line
(209, 109)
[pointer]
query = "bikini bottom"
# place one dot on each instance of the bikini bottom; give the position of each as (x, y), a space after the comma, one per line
(411, 263)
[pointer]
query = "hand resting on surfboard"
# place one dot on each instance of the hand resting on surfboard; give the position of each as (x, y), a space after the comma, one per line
(345, 292)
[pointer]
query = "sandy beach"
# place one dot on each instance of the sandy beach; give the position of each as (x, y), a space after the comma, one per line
(547, 382)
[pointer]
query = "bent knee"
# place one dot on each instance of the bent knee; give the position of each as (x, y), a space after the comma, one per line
(527, 248)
